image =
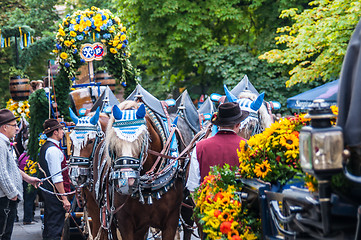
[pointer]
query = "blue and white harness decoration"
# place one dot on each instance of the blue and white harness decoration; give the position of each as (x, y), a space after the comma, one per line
(86, 128)
(249, 106)
(129, 125)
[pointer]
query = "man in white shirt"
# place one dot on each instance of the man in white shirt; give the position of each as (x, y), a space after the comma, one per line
(52, 161)
(11, 189)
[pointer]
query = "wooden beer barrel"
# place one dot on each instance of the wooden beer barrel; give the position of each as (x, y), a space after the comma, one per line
(19, 88)
(81, 98)
(105, 79)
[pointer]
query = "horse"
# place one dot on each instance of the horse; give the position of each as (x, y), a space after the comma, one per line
(86, 138)
(132, 147)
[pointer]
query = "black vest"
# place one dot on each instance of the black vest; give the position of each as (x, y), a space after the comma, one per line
(44, 165)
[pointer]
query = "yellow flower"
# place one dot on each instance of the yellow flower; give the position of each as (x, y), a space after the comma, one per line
(113, 50)
(55, 51)
(124, 29)
(261, 170)
(247, 235)
(290, 141)
(61, 32)
(123, 37)
(64, 55)
(73, 21)
(310, 186)
(232, 233)
(72, 34)
(67, 43)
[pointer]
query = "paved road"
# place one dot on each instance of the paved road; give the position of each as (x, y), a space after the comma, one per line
(28, 232)
(34, 231)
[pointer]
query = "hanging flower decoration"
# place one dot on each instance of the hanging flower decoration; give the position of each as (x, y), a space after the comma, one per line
(90, 26)
(273, 155)
(219, 208)
(19, 108)
(30, 167)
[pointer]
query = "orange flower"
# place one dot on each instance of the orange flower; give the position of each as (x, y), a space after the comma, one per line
(235, 237)
(225, 227)
(219, 195)
(217, 213)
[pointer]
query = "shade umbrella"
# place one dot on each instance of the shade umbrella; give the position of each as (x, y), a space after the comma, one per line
(327, 91)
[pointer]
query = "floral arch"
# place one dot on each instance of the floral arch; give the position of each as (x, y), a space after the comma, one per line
(90, 26)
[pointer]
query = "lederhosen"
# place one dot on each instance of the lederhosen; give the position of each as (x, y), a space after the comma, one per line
(54, 213)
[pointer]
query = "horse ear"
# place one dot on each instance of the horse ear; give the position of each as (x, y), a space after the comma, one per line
(73, 116)
(95, 118)
(141, 112)
(117, 113)
(175, 121)
(256, 104)
(230, 96)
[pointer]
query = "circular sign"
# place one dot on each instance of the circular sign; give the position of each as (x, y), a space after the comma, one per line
(90, 52)
(98, 51)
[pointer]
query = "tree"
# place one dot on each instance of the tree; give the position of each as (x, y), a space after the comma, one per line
(167, 36)
(315, 44)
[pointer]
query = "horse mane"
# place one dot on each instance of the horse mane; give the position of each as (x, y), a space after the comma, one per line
(265, 118)
(119, 146)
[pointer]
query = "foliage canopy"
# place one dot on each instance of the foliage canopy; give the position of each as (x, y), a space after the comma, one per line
(315, 44)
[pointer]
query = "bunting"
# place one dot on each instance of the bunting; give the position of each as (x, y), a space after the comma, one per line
(23, 35)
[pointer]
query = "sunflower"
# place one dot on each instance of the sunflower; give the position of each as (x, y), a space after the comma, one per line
(64, 55)
(233, 233)
(261, 170)
(290, 141)
(224, 216)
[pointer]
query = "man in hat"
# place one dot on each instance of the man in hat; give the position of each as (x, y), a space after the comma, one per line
(219, 149)
(52, 160)
(11, 189)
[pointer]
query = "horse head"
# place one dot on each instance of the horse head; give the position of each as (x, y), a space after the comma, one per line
(85, 137)
(127, 142)
(258, 119)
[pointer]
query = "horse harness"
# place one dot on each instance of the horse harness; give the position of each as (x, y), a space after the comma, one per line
(83, 166)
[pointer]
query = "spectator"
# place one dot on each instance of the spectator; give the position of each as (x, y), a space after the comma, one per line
(11, 189)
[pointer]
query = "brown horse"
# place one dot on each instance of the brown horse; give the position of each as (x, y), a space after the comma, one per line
(86, 136)
(135, 177)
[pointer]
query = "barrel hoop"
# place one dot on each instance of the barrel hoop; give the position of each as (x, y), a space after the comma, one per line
(25, 91)
(19, 83)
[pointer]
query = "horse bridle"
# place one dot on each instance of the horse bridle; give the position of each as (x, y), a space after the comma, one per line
(86, 162)
(126, 167)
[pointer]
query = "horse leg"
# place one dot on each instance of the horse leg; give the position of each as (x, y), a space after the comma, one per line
(94, 213)
(172, 224)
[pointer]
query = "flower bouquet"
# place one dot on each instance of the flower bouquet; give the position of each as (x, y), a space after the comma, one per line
(19, 108)
(273, 155)
(219, 208)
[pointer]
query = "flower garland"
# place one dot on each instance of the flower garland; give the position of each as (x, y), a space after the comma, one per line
(89, 26)
(220, 210)
(19, 108)
(273, 155)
